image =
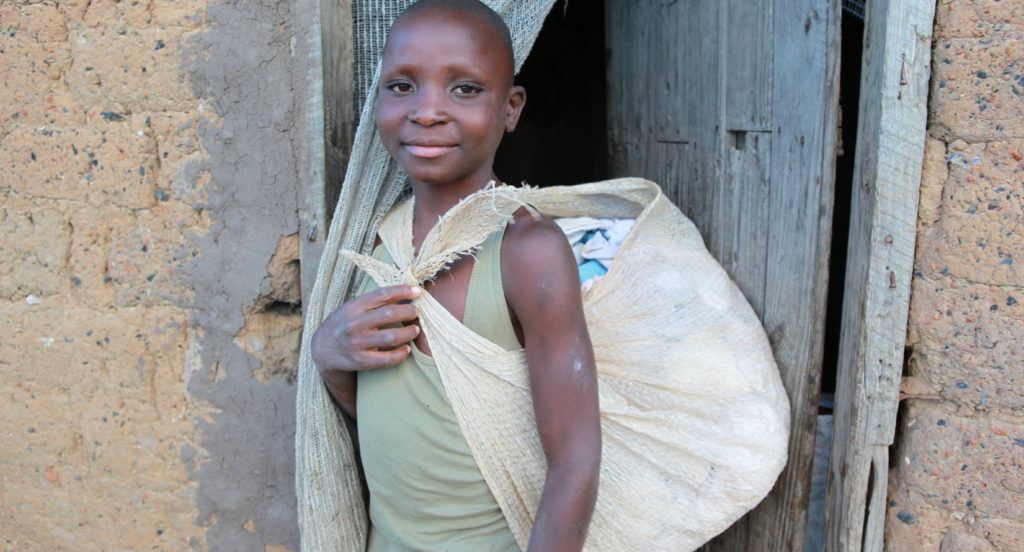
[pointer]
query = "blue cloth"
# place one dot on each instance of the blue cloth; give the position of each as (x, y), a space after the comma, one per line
(590, 269)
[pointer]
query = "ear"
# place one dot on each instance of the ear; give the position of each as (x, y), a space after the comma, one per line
(516, 101)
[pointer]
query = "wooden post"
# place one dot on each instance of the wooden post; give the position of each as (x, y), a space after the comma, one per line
(890, 147)
(308, 83)
(331, 105)
(340, 115)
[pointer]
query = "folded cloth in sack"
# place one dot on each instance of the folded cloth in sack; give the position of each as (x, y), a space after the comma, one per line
(695, 420)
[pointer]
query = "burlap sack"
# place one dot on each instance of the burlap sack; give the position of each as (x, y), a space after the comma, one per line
(694, 416)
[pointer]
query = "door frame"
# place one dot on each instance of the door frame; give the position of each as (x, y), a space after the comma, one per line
(893, 108)
(326, 82)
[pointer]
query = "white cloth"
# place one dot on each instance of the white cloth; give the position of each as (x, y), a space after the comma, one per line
(600, 249)
(618, 230)
(576, 227)
(605, 242)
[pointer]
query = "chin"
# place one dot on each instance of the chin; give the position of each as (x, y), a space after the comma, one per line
(435, 177)
(433, 180)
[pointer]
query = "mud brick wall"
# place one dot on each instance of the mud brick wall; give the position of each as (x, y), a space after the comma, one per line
(149, 302)
(149, 275)
(957, 481)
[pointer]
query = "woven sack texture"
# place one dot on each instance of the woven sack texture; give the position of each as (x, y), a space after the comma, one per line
(694, 416)
(332, 516)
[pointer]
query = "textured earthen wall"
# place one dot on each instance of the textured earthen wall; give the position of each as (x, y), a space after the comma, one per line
(957, 482)
(149, 277)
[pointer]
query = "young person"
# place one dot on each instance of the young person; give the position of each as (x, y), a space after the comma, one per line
(446, 98)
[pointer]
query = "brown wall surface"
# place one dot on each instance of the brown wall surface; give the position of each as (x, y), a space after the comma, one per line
(149, 281)
(957, 482)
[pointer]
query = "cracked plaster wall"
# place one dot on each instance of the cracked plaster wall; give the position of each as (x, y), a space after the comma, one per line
(149, 278)
(956, 483)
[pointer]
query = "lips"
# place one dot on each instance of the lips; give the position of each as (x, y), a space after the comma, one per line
(427, 149)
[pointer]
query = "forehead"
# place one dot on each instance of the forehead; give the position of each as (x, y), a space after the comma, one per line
(445, 37)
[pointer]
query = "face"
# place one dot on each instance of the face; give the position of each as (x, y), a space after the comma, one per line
(445, 99)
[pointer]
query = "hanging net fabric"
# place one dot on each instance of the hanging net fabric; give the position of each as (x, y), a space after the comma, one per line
(694, 417)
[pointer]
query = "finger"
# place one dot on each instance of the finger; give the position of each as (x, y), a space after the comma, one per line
(387, 295)
(391, 337)
(380, 359)
(388, 315)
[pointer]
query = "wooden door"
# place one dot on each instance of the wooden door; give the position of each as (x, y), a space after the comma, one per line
(730, 105)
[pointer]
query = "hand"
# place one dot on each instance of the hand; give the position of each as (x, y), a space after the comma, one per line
(355, 337)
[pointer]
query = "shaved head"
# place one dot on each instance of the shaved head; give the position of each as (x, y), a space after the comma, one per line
(475, 9)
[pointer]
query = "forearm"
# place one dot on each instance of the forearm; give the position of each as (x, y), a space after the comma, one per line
(566, 506)
(542, 288)
(342, 387)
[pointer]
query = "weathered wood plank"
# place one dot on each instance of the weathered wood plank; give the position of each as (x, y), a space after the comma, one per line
(890, 146)
(691, 56)
(628, 119)
(804, 100)
(680, 83)
(743, 212)
(662, 125)
(748, 64)
(310, 119)
(339, 90)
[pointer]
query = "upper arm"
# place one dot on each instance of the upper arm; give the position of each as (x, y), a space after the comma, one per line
(542, 287)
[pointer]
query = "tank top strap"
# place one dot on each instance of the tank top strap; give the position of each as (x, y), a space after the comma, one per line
(487, 312)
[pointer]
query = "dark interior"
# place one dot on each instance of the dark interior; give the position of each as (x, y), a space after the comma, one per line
(849, 99)
(561, 137)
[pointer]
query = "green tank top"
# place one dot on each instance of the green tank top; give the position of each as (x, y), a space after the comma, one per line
(426, 491)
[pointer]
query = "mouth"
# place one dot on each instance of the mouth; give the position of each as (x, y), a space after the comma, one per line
(427, 150)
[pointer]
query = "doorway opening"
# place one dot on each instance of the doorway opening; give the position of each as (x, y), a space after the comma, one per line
(562, 134)
(849, 100)
(563, 138)
(851, 55)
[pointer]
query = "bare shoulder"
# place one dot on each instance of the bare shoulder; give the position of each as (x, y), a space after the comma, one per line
(534, 240)
(537, 261)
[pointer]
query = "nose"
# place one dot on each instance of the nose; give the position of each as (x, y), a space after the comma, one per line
(429, 107)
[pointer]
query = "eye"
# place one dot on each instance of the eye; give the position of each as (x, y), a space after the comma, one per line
(399, 87)
(467, 89)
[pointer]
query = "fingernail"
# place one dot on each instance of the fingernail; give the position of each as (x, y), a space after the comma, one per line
(418, 330)
(417, 291)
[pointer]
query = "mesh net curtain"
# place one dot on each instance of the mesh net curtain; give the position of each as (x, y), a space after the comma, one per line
(331, 510)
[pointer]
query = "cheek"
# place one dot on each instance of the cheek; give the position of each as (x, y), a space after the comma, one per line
(388, 119)
(491, 125)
